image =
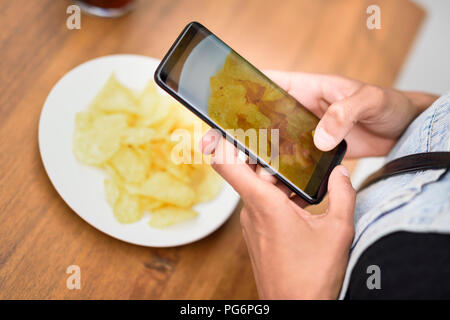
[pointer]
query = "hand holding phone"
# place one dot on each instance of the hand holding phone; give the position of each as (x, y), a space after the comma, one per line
(299, 250)
(251, 111)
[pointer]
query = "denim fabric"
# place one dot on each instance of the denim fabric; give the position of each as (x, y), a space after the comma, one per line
(416, 202)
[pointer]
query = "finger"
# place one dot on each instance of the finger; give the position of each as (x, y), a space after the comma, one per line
(210, 142)
(365, 103)
(265, 175)
(341, 194)
(338, 120)
(314, 90)
(281, 78)
(296, 82)
(304, 87)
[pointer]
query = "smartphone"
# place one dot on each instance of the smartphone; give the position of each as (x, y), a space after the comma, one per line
(232, 96)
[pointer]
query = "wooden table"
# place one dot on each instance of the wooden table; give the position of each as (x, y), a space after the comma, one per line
(40, 236)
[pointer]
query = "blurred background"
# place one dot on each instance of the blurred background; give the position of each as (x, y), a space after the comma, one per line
(40, 236)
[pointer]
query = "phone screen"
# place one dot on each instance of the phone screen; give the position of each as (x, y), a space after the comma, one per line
(219, 85)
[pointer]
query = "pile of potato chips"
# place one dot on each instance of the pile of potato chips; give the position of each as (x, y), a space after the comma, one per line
(129, 136)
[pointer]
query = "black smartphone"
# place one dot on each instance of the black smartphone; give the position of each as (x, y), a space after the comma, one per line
(231, 95)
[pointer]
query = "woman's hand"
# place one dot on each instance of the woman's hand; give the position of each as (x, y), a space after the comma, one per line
(370, 118)
(294, 255)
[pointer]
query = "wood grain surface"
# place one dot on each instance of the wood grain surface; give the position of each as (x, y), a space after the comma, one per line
(40, 236)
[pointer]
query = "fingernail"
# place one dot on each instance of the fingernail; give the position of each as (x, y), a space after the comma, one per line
(208, 144)
(323, 140)
(344, 171)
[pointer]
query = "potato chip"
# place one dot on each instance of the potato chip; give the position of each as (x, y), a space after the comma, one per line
(97, 138)
(138, 136)
(167, 216)
(127, 208)
(180, 172)
(164, 128)
(207, 184)
(163, 187)
(228, 105)
(153, 107)
(112, 192)
(114, 97)
(149, 204)
(129, 164)
(112, 173)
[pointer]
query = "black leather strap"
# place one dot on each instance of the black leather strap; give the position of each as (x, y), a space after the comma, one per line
(410, 163)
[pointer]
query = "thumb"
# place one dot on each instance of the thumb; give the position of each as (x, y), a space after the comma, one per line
(339, 119)
(335, 124)
(341, 194)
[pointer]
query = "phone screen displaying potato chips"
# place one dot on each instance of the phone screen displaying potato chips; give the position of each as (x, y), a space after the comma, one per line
(230, 94)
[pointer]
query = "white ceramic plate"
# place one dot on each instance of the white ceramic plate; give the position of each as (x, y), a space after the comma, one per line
(81, 186)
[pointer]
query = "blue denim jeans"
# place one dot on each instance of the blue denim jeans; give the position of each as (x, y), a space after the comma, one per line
(414, 202)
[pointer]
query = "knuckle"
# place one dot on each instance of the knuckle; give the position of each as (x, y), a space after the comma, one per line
(375, 91)
(377, 95)
(338, 112)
